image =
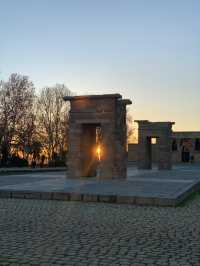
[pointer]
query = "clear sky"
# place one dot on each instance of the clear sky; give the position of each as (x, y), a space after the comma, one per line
(147, 50)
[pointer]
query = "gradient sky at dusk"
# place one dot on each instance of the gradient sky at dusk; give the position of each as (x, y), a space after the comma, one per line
(149, 51)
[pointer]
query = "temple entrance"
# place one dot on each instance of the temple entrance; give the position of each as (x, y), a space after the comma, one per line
(187, 145)
(158, 133)
(90, 117)
(90, 149)
(151, 151)
(185, 155)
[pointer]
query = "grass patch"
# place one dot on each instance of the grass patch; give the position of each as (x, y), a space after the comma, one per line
(193, 196)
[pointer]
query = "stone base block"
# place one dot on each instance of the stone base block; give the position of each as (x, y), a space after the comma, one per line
(5, 194)
(61, 196)
(125, 199)
(109, 199)
(90, 198)
(75, 197)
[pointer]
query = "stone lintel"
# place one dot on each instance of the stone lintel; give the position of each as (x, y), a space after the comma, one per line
(147, 122)
(147, 125)
(126, 101)
(186, 134)
(141, 121)
(82, 97)
(93, 121)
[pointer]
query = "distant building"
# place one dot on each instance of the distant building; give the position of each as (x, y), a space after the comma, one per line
(185, 148)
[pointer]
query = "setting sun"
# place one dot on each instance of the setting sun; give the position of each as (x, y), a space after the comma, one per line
(99, 153)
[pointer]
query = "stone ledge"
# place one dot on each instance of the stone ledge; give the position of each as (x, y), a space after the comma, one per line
(107, 198)
(32, 195)
(12, 171)
(46, 195)
(61, 196)
(18, 195)
(90, 198)
(92, 96)
(75, 196)
(126, 199)
(5, 194)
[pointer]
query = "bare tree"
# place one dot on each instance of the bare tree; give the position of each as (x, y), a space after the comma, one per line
(130, 127)
(53, 119)
(16, 103)
(1, 125)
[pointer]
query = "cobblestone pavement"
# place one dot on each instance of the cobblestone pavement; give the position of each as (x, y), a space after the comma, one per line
(43, 232)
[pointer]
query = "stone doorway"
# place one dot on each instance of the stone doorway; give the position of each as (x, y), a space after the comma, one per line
(185, 155)
(90, 149)
(187, 145)
(88, 114)
(162, 132)
(151, 143)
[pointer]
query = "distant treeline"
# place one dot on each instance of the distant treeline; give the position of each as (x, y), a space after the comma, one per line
(33, 126)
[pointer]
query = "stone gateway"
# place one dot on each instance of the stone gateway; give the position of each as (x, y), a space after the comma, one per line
(162, 132)
(97, 136)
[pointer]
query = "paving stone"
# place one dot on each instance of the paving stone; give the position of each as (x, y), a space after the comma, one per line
(37, 232)
(47, 232)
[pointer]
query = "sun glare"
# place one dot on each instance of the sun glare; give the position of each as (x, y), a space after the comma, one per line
(99, 153)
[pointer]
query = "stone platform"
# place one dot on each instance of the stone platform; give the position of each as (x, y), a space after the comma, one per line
(144, 187)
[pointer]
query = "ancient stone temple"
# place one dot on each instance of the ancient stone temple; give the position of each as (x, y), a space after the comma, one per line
(185, 148)
(97, 136)
(162, 133)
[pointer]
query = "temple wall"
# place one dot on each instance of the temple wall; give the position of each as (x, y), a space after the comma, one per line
(133, 152)
(176, 155)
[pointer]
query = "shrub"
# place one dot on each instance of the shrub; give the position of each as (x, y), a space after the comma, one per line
(16, 161)
(57, 163)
